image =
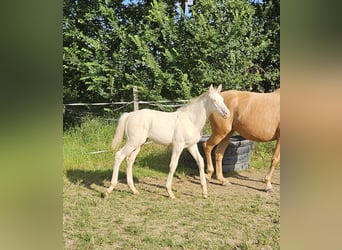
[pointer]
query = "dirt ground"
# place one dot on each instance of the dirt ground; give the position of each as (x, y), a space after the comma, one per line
(242, 183)
(237, 216)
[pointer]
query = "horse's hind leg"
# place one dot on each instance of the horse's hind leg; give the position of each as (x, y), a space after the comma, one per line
(119, 157)
(275, 160)
(200, 162)
(130, 160)
(219, 153)
(176, 151)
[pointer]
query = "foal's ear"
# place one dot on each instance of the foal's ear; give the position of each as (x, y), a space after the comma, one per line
(219, 88)
(211, 88)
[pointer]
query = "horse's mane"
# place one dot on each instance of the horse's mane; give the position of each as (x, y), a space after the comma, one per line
(192, 101)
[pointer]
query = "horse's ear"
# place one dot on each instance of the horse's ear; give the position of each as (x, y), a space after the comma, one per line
(219, 88)
(211, 88)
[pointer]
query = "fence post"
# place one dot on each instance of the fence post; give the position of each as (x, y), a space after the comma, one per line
(135, 98)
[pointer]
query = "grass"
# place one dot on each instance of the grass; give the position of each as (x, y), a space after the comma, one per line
(262, 154)
(226, 220)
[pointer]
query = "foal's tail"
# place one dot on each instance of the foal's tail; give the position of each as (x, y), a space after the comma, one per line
(119, 131)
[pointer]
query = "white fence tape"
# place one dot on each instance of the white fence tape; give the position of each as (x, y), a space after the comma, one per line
(98, 152)
(97, 104)
(105, 151)
(154, 103)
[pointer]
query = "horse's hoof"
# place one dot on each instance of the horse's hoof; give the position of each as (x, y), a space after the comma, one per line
(226, 183)
(136, 192)
(205, 196)
(269, 190)
(106, 195)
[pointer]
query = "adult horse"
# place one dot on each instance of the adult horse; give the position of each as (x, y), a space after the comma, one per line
(181, 128)
(255, 116)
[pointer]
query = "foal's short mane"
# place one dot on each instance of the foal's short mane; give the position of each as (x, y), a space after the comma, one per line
(193, 100)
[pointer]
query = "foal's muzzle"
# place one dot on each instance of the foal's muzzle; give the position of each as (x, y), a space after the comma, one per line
(225, 114)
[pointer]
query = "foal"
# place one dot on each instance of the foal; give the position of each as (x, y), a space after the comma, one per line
(181, 128)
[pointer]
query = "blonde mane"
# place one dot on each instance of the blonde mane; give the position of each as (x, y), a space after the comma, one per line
(193, 101)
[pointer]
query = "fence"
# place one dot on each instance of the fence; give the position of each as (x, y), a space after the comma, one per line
(74, 112)
(79, 110)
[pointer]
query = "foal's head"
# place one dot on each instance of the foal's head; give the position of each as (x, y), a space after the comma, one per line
(217, 102)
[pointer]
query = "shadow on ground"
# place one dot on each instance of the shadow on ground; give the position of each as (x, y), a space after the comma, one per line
(93, 179)
(101, 177)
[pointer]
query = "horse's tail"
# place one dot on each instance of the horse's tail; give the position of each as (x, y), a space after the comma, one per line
(119, 131)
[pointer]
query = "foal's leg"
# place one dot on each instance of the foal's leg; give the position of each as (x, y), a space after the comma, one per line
(200, 162)
(130, 160)
(275, 160)
(219, 153)
(119, 157)
(176, 151)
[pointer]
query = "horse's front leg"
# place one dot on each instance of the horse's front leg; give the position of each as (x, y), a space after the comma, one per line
(176, 151)
(275, 160)
(208, 148)
(200, 162)
(219, 153)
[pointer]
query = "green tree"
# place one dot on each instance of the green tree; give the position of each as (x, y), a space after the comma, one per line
(109, 47)
(223, 43)
(92, 37)
(268, 63)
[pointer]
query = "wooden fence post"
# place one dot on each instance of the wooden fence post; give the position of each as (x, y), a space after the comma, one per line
(135, 98)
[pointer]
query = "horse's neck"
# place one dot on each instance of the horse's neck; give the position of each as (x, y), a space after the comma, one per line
(198, 113)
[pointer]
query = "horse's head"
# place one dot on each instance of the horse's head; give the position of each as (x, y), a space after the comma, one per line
(217, 101)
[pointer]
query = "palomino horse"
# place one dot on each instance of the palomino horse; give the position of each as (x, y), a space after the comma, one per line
(255, 116)
(181, 128)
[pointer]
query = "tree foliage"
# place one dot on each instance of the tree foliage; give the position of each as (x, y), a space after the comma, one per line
(109, 47)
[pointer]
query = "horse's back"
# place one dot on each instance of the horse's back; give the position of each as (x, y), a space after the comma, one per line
(242, 101)
(255, 116)
(153, 124)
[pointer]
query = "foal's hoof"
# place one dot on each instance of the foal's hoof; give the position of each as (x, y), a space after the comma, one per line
(106, 194)
(172, 196)
(269, 190)
(205, 196)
